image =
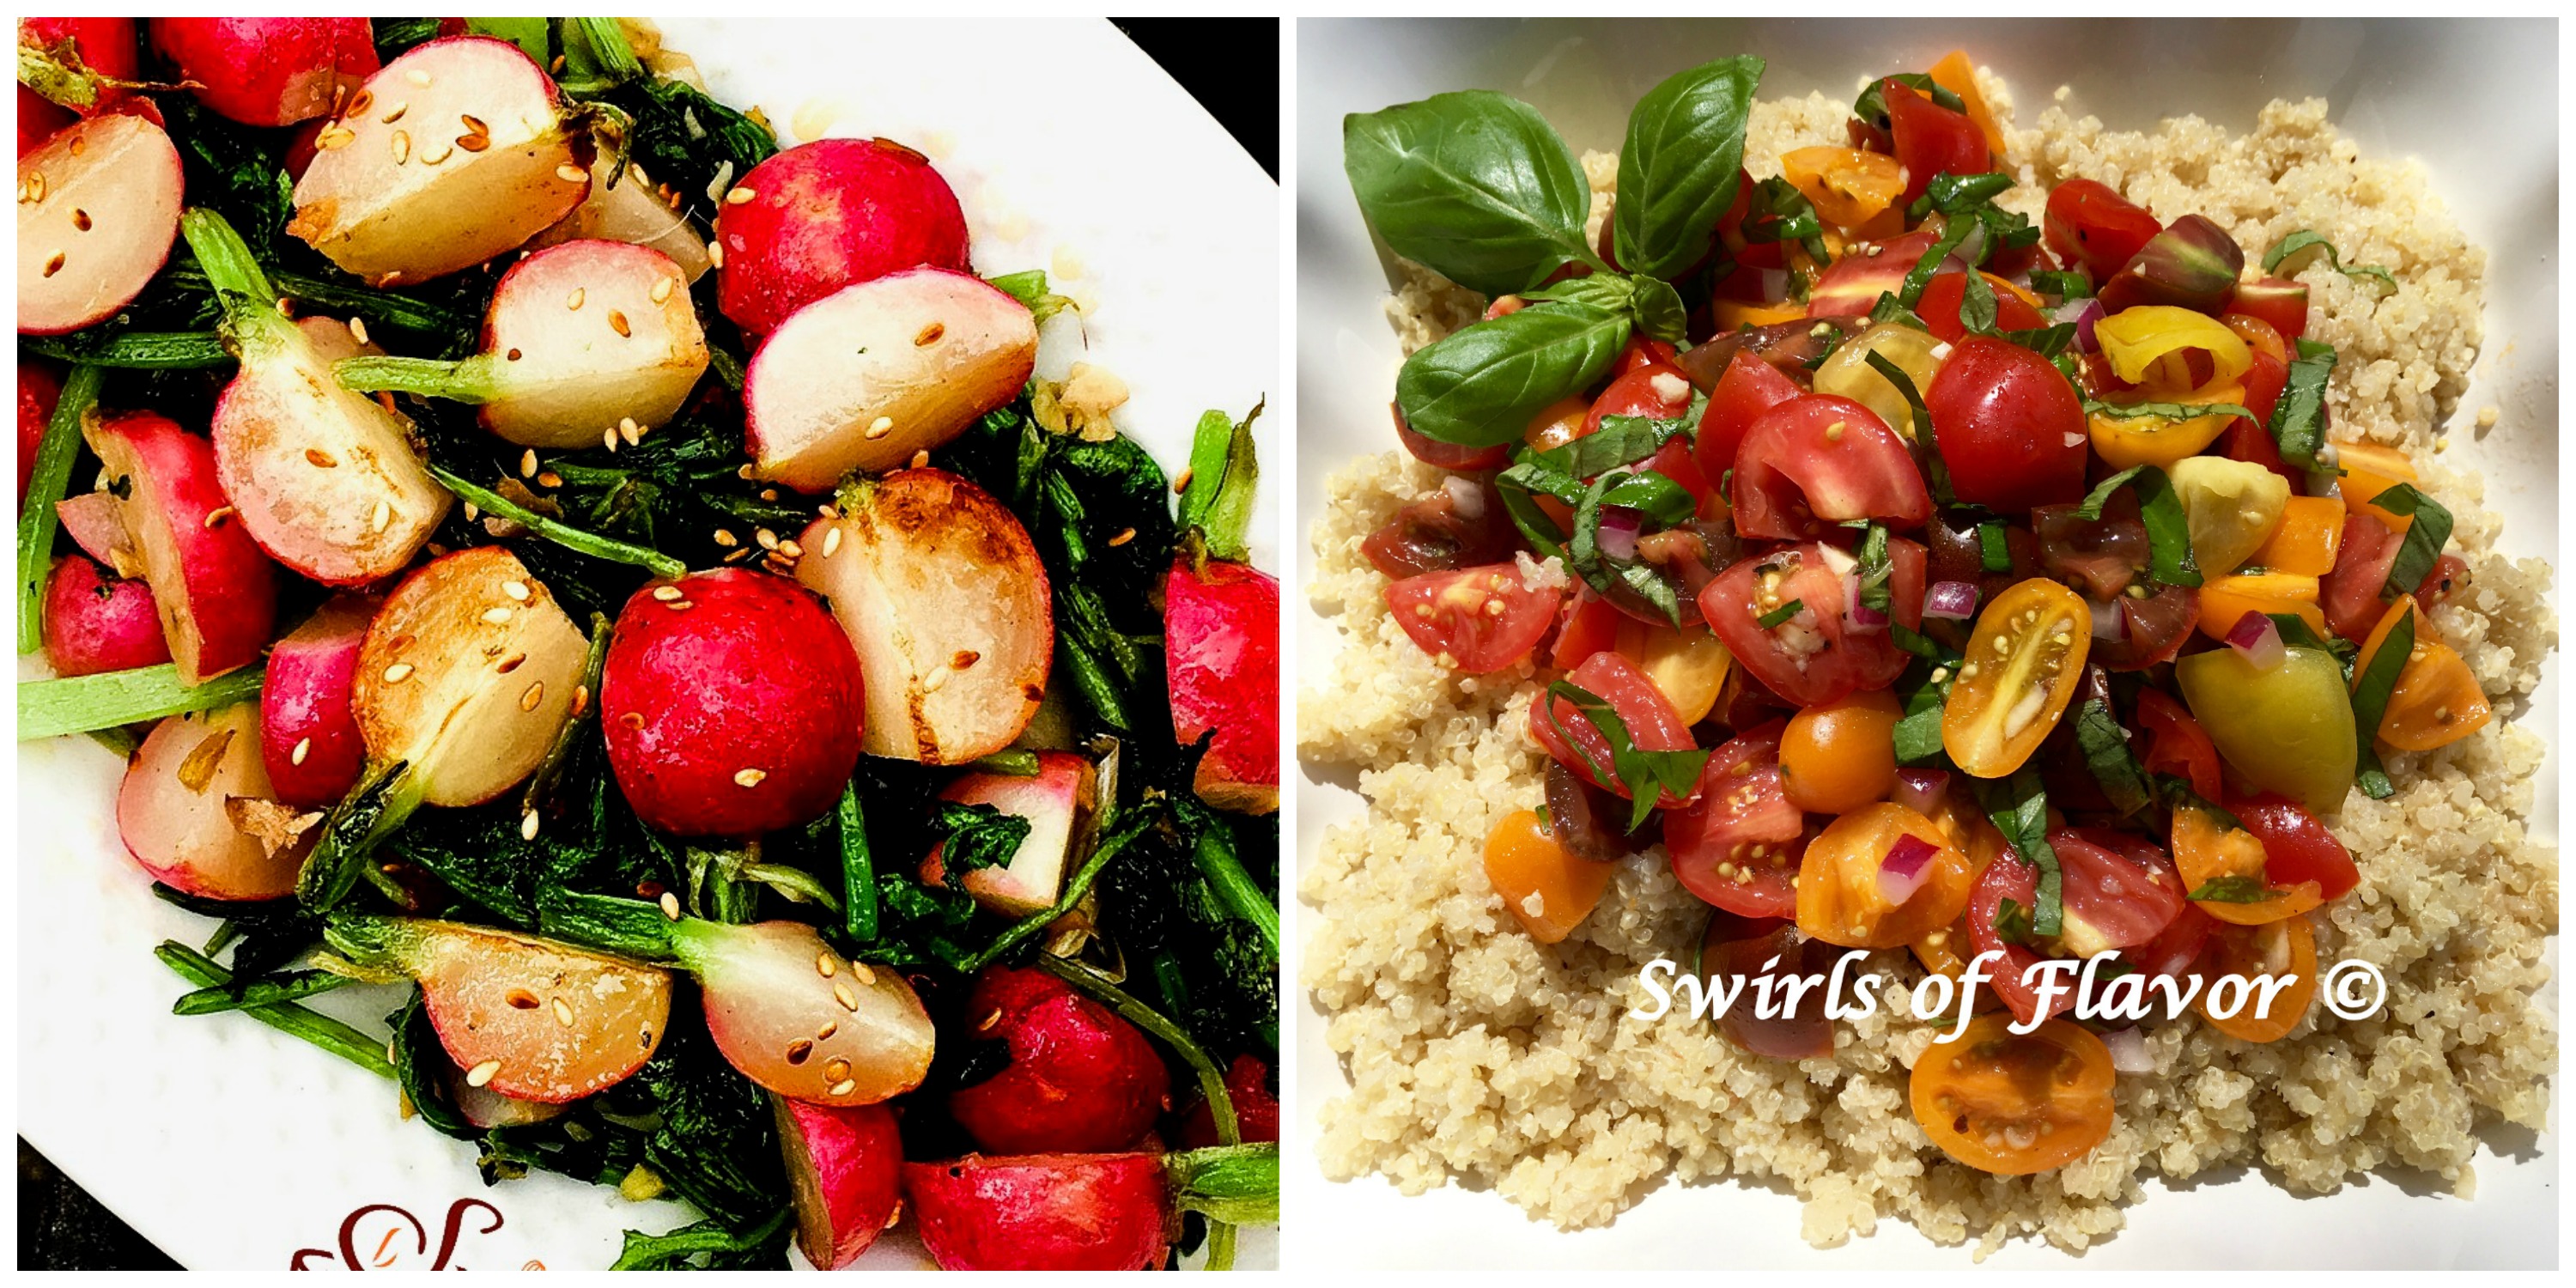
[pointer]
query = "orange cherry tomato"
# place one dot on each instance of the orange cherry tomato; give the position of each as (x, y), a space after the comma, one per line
(2368, 470)
(1839, 897)
(2221, 866)
(2224, 601)
(1842, 755)
(1547, 889)
(2305, 544)
(1557, 424)
(1847, 186)
(2280, 948)
(2437, 700)
(2012, 1103)
(2024, 660)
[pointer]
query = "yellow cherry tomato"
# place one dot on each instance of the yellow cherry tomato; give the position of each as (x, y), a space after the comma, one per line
(1547, 889)
(2307, 540)
(2136, 339)
(2284, 948)
(1687, 666)
(1847, 186)
(2227, 864)
(1846, 372)
(2224, 601)
(2437, 700)
(2155, 440)
(2015, 1103)
(2288, 729)
(2023, 662)
(2231, 508)
(1840, 899)
(1840, 756)
(2368, 470)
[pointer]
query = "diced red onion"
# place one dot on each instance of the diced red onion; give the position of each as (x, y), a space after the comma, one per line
(1902, 872)
(2258, 641)
(1862, 615)
(2128, 1049)
(1973, 243)
(1920, 790)
(2083, 313)
(1951, 600)
(2106, 619)
(1619, 526)
(1467, 496)
(1952, 264)
(1771, 284)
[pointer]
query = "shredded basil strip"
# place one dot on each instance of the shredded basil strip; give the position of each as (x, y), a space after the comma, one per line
(2178, 794)
(1646, 774)
(1516, 486)
(1890, 309)
(1910, 293)
(1621, 440)
(2424, 538)
(2370, 702)
(1977, 304)
(1924, 687)
(2305, 238)
(1778, 212)
(1776, 616)
(2298, 421)
(2072, 284)
(1993, 551)
(2106, 751)
(1903, 384)
(2091, 510)
(2166, 410)
(1875, 569)
(1871, 106)
(1959, 194)
(2012, 922)
(2232, 889)
(2019, 808)
(2169, 558)
(2046, 341)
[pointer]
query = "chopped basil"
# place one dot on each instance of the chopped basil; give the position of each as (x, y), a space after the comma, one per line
(2167, 410)
(2424, 538)
(2091, 510)
(1778, 212)
(2046, 341)
(2072, 284)
(2233, 889)
(1920, 644)
(1959, 194)
(2019, 808)
(2168, 530)
(1904, 384)
(1621, 440)
(2305, 239)
(1517, 486)
(1993, 551)
(1784, 612)
(2106, 750)
(1875, 568)
(1657, 495)
(2370, 703)
(1660, 499)
(1872, 104)
(1646, 774)
(1977, 304)
(1890, 309)
(2178, 794)
(1924, 687)
(2299, 419)
(2012, 923)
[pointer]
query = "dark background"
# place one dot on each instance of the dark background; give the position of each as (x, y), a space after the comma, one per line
(1230, 65)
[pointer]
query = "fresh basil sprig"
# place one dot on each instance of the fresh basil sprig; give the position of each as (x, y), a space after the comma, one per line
(2298, 421)
(1778, 212)
(2305, 239)
(1651, 303)
(1474, 184)
(1646, 774)
(2424, 538)
(2370, 704)
(1480, 386)
(1680, 166)
(1874, 570)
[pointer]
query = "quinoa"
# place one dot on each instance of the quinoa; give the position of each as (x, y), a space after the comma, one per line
(1479, 1055)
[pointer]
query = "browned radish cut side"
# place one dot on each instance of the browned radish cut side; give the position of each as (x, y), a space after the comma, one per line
(466, 674)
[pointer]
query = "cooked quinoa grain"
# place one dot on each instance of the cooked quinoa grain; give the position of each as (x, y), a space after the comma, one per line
(1479, 1055)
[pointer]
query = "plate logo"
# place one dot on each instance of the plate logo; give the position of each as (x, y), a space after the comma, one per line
(373, 1238)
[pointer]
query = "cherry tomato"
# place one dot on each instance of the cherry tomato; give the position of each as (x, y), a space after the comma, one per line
(1750, 949)
(2280, 948)
(2176, 744)
(1555, 425)
(2022, 664)
(2104, 554)
(2450, 573)
(1943, 295)
(2119, 891)
(1840, 897)
(2013, 1104)
(1657, 390)
(1818, 654)
(1817, 461)
(1481, 619)
(2009, 426)
(1739, 847)
(1435, 534)
(1589, 625)
(2009, 878)
(2174, 952)
(1850, 287)
(2221, 865)
(1642, 351)
(2296, 847)
(1748, 388)
(1841, 756)
(2349, 595)
(1677, 460)
(2089, 224)
(1931, 140)
(2152, 629)
(2282, 304)
(1577, 744)
(1546, 889)
(1449, 456)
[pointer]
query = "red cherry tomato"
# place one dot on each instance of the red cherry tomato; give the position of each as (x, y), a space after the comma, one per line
(1739, 846)
(2285, 310)
(2251, 440)
(1591, 625)
(1652, 723)
(1749, 387)
(1642, 351)
(2350, 594)
(2089, 224)
(2296, 847)
(2450, 572)
(2008, 878)
(2152, 630)
(2010, 428)
(1451, 613)
(1752, 948)
(1931, 139)
(1816, 461)
(1677, 460)
(1939, 308)
(1850, 287)
(2174, 951)
(1656, 390)
(1449, 456)
(1819, 654)
(2176, 744)
(2123, 888)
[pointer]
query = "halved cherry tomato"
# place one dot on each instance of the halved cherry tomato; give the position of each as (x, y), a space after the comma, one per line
(1749, 388)
(2296, 847)
(2152, 629)
(2009, 878)
(1942, 296)
(2224, 601)
(2450, 573)
(2105, 555)
(2013, 1104)
(1751, 948)
(1817, 461)
(2233, 862)
(1818, 654)
(1577, 744)
(2368, 470)
(2278, 948)
(1848, 187)
(2281, 304)
(1850, 287)
(1556, 424)
(1436, 534)
(1931, 140)
(2119, 890)
(1590, 625)
(2174, 952)
(1688, 666)
(2089, 224)
(2022, 664)
(1740, 846)
(1956, 74)
(1448, 456)
(2176, 744)
(1642, 351)
(2349, 596)
(1656, 390)
(1841, 755)
(1839, 896)
(1547, 890)
(1480, 619)
(2437, 700)
(2305, 543)
(2010, 428)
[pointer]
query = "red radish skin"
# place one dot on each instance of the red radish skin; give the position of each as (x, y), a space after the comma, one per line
(829, 214)
(1256, 1107)
(216, 592)
(732, 704)
(39, 120)
(467, 673)
(1056, 800)
(38, 390)
(1044, 1212)
(1081, 1080)
(845, 1167)
(269, 71)
(310, 739)
(95, 622)
(629, 210)
(177, 814)
(1221, 626)
(869, 377)
(800, 1019)
(630, 352)
(941, 593)
(98, 209)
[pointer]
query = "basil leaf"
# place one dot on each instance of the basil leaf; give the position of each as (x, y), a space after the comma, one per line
(2178, 794)
(2091, 510)
(1656, 495)
(1516, 485)
(2296, 633)
(1646, 774)
(2299, 420)
(2424, 538)
(2019, 808)
(2106, 751)
(1890, 309)
(2168, 529)
(2012, 923)
(1679, 168)
(1924, 687)
(1473, 184)
(1994, 553)
(1920, 644)
(1977, 304)
(2167, 410)
(2304, 239)
(2046, 341)
(2072, 284)
(1875, 568)
(1480, 386)
(2232, 889)
(2370, 703)
(1771, 620)
(1910, 292)
(1960, 194)
(1778, 212)
(1659, 311)
(1621, 440)
(1903, 384)
(1871, 106)
(1608, 292)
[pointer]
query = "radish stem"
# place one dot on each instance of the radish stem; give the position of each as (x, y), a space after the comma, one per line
(551, 768)
(1235, 887)
(361, 821)
(36, 518)
(469, 380)
(51, 708)
(267, 992)
(570, 538)
(379, 308)
(140, 350)
(286, 1017)
(858, 870)
(251, 322)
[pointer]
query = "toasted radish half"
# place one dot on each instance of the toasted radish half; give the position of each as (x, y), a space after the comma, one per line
(865, 377)
(802, 1020)
(1057, 802)
(628, 208)
(196, 812)
(524, 1017)
(1043, 1211)
(1221, 657)
(845, 1167)
(95, 521)
(466, 674)
(583, 340)
(98, 206)
(309, 733)
(457, 151)
(943, 596)
(217, 593)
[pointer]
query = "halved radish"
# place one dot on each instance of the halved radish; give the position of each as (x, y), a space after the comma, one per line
(1080, 1079)
(457, 151)
(466, 674)
(845, 1167)
(1043, 1211)
(269, 71)
(629, 208)
(216, 592)
(1221, 656)
(195, 809)
(325, 479)
(96, 622)
(309, 734)
(802, 1020)
(829, 214)
(98, 206)
(1057, 801)
(583, 340)
(863, 378)
(945, 600)
(524, 1017)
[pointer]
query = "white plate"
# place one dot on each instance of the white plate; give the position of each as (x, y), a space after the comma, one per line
(2476, 100)
(231, 1146)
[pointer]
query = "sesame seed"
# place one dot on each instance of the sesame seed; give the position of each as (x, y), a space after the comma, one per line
(536, 693)
(549, 479)
(726, 538)
(417, 77)
(617, 323)
(358, 330)
(837, 1069)
(930, 334)
(517, 590)
(397, 673)
(670, 905)
(1182, 483)
(1124, 536)
(844, 1087)
(396, 114)
(573, 301)
(841, 993)
(570, 173)
(920, 458)
(384, 516)
(739, 196)
(881, 426)
(831, 541)
(303, 748)
(749, 777)
(528, 826)
(789, 548)
(402, 146)
(823, 964)
(320, 459)
(715, 254)
(528, 464)
(661, 290)
(216, 516)
(563, 1012)
(768, 540)
(54, 265)
(482, 1074)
